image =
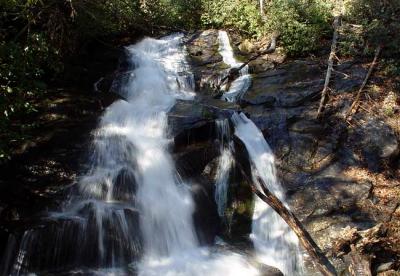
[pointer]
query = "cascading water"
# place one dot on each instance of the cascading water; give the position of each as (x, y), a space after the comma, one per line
(275, 243)
(239, 86)
(225, 163)
(131, 205)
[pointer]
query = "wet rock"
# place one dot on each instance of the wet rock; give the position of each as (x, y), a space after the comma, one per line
(203, 46)
(192, 159)
(206, 220)
(205, 59)
(187, 116)
(266, 270)
(125, 185)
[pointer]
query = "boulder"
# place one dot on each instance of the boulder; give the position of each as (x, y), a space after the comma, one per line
(289, 85)
(377, 141)
(205, 60)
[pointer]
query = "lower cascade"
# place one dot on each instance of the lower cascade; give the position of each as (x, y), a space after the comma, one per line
(274, 241)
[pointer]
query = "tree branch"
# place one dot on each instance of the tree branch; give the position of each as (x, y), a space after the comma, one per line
(354, 107)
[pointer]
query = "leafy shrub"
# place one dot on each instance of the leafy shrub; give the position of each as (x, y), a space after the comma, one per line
(301, 24)
(241, 15)
(380, 22)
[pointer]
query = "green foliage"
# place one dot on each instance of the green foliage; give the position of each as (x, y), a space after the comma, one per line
(241, 15)
(380, 22)
(179, 14)
(22, 70)
(301, 24)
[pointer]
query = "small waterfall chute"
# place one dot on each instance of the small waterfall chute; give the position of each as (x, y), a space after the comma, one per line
(239, 86)
(225, 164)
(275, 242)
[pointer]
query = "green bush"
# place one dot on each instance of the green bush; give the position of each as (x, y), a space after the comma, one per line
(380, 22)
(301, 24)
(241, 15)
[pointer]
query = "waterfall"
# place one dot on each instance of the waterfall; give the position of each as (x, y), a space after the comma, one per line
(130, 213)
(275, 243)
(225, 163)
(239, 86)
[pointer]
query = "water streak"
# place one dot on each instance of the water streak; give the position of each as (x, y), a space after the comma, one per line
(240, 85)
(225, 163)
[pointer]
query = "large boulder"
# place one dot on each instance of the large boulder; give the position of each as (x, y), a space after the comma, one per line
(287, 86)
(205, 60)
(377, 141)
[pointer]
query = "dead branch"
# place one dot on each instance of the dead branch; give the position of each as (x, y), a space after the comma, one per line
(359, 264)
(321, 261)
(332, 55)
(354, 106)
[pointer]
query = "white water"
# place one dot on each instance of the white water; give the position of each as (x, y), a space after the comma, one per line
(239, 86)
(165, 204)
(225, 163)
(275, 243)
(131, 141)
(167, 207)
(132, 176)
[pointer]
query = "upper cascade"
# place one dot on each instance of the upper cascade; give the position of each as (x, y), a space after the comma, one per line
(235, 90)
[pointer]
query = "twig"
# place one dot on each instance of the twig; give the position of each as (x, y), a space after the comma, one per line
(356, 102)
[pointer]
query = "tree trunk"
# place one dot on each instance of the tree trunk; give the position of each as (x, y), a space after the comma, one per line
(332, 55)
(262, 8)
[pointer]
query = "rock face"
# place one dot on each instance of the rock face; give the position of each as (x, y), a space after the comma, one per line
(287, 86)
(207, 64)
(312, 155)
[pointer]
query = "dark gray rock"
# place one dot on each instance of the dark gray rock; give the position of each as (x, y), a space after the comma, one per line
(377, 141)
(205, 60)
(289, 85)
(266, 270)
(347, 77)
(188, 116)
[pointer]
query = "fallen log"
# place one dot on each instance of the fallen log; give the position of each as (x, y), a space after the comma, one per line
(234, 72)
(318, 258)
